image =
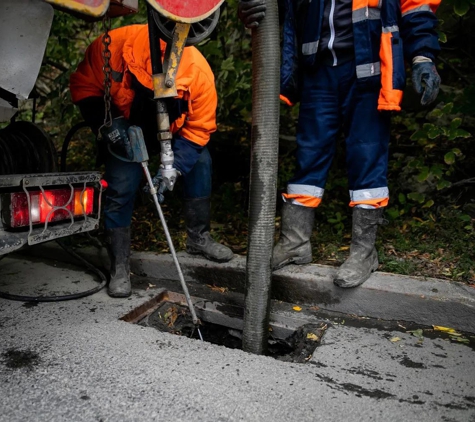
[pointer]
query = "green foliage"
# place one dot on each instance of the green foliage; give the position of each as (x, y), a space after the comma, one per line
(431, 153)
(229, 53)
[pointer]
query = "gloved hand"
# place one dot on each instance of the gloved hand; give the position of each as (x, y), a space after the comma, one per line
(160, 185)
(116, 137)
(116, 132)
(425, 79)
(251, 12)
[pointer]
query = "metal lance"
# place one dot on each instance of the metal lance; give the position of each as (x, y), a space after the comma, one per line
(168, 171)
(263, 179)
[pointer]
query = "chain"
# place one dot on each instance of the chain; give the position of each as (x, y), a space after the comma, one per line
(107, 70)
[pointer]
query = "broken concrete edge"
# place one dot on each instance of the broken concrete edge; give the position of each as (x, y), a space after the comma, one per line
(385, 296)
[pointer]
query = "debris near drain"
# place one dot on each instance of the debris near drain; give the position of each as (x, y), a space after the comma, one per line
(303, 342)
(175, 318)
(171, 318)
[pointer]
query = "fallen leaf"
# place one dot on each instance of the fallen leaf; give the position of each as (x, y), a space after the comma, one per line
(417, 333)
(394, 339)
(344, 248)
(462, 340)
(218, 289)
(444, 329)
(313, 337)
(297, 308)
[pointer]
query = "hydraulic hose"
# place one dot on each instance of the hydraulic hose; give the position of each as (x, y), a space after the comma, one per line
(67, 140)
(263, 179)
(59, 298)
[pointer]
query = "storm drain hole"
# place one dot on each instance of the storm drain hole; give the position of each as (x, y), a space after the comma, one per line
(175, 318)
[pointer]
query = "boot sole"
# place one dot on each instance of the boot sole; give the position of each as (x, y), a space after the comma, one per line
(119, 295)
(337, 281)
(296, 261)
(209, 258)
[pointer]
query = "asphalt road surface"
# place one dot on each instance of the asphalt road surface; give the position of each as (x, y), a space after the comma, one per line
(77, 361)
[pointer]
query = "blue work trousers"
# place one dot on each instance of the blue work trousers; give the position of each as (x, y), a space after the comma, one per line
(123, 179)
(333, 102)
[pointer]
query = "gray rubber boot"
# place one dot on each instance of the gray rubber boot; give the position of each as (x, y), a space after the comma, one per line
(199, 240)
(363, 259)
(294, 245)
(118, 247)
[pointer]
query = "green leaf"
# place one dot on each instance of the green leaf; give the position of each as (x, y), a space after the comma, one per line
(434, 132)
(428, 204)
(449, 158)
(423, 175)
(392, 213)
(417, 197)
(420, 134)
(461, 7)
(437, 112)
(442, 37)
(417, 333)
(443, 184)
(448, 108)
(455, 123)
(436, 171)
(402, 198)
(460, 133)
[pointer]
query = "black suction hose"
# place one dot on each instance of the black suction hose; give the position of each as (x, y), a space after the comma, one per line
(67, 140)
(263, 179)
(100, 286)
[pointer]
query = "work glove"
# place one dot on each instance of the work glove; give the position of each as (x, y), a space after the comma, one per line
(160, 185)
(116, 137)
(251, 12)
(425, 79)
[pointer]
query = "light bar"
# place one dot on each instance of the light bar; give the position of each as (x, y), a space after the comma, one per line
(51, 206)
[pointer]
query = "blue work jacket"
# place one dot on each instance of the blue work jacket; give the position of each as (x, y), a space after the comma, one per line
(386, 33)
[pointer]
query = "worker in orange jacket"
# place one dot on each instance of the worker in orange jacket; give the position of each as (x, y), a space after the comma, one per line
(192, 120)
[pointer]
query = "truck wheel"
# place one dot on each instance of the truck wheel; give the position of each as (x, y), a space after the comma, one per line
(26, 148)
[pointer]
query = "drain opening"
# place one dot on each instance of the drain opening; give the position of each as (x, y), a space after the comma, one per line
(167, 313)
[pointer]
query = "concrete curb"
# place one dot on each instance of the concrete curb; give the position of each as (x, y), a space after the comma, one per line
(385, 296)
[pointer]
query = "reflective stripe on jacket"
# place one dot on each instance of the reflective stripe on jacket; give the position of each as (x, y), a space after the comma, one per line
(386, 32)
(130, 53)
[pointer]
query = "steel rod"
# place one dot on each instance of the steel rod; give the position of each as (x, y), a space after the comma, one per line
(153, 191)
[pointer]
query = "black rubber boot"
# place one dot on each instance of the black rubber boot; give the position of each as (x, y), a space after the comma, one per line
(363, 259)
(199, 240)
(294, 245)
(118, 247)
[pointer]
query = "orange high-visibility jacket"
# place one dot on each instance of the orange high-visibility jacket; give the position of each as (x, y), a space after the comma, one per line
(130, 54)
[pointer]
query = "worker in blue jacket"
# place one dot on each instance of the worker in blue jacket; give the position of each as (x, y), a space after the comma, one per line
(344, 60)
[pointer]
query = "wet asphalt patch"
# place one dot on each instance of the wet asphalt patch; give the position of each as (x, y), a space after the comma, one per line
(18, 359)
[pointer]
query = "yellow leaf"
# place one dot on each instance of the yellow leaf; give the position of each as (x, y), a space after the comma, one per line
(297, 308)
(444, 329)
(312, 337)
(344, 248)
(394, 339)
